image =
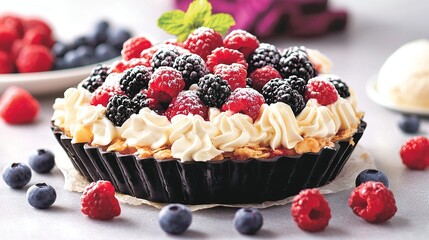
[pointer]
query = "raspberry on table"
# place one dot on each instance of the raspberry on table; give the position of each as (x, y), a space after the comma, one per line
(8, 35)
(96, 78)
(213, 90)
(415, 153)
(99, 202)
(265, 54)
(203, 41)
(121, 66)
(120, 108)
(242, 41)
(235, 74)
(17, 106)
(263, 75)
(222, 55)
(134, 46)
(279, 90)
(297, 84)
(342, 88)
(165, 84)
(34, 58)
(373, 202)
(244, 100)
(191, 66)
(187, 102)
(310, 210)
(323, 91)
(165, 56)
(6, 63)
(134, 80)
(102, 94)
(296, 64)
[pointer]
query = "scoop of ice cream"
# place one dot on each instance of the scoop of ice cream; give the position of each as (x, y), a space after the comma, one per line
(404, 77)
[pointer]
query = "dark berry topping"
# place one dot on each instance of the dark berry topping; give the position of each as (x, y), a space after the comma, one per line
(191, 66)
(213, 90)
(141, 101)
(297, 84)
(342, 88)
(249, 82)
(134, 80)
(278, 90)
(119, 109)
(164, 57)
(296, 64)
(265, 54)
(295, 49)
(96, 78)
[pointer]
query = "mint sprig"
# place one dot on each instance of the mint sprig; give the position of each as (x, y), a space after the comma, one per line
(199, 14)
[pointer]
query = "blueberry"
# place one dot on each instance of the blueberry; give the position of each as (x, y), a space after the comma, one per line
(41, 195)
(117, 37)
(175, 218)
(59, 63)
(105, 52)
(82, 56)
(99, 35)
(42, 161)
(72, 59)
(102, 25)
(16, 175)
(409, 123)
(371, 175)
(248, 220)
(59, 49)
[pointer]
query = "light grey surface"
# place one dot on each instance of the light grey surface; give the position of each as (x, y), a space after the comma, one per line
(375, 30)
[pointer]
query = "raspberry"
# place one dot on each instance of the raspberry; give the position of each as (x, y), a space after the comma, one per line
(7, 36)
(191, 66)
(242, 41)
(121, 66)
(119, 109)
(38, 37)
(17, 106)
(173, 41)
(142, 101)
(99, 202)
(187, 102)
(263, 75)
(297, 84)
(164, 57)
(342, 88)
(165, 84)
(235, 74)
(34, 58)
(14, 22)
(296, 64)
(244, 100)
(134, 46)
(16, 49)
(310, 210)
(265, 54)
(226, 56)
(213, 90)
(96, 78)
(104, 93)
(323, 91)
(134, 80)
(148, 53)
(6, 63)
(373, 202)
(203, 41)
(415, 153)
(37, 23)
(278, 90)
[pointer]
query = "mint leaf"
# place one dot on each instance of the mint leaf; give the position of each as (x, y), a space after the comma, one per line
(197, 12)
(220, 22)
(173, 22)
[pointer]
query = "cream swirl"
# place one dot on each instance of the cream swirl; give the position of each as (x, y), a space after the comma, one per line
(191, 138)
(317, 121)
(235, 131)
(279, 123)
(146, 129)
(344, 114)
(104, 132)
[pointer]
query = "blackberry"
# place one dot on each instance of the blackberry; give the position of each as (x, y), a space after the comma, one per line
(120, 108)
(342, 88)
(191, 66)
(297, 84)
(213, 90)
(296, 64)
(265, 54)
(96, 78)
(269, 89)
(164, 57)
(295, 49)
(134, 80)
(249, 82)
(279, 90)
(141, 101)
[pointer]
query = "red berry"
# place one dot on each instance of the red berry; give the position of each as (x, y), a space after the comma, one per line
(165, 84)
(134, 46)
(34, 58)
(38, 37)
(373, 202)
(17, 106)
(242, 41)
(263, 75)
(121, 66)
(7, 36)
(14, 22)
(226, 56)
(187, 102)
(99, 202)
(310, 210)
(148, 53)
(323, 91)
(102, 94)
(235, 74)
(173, 41)
(37, 23)
(203, 41)
(16, 49)
(6, 63)
(244, 100)
(415, 153)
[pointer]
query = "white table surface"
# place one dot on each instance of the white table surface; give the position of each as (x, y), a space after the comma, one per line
(375, 30)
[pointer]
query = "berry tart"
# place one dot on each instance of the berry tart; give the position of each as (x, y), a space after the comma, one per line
(207, 119)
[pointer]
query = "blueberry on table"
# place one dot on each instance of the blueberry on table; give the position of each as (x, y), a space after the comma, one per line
(409, 123)
(41, 195)
(117, 37)
(248, 220)
(372, 175)
(175, 218)
(16, 175)
(105, 52)
(42, 161)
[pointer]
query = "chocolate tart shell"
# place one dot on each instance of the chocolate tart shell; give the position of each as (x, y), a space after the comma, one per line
(225, 182)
